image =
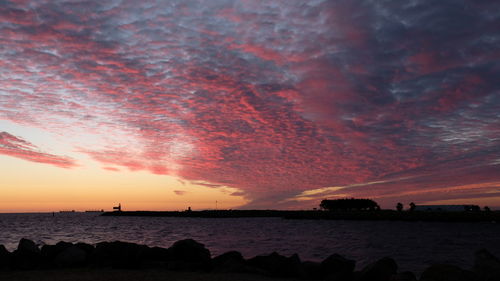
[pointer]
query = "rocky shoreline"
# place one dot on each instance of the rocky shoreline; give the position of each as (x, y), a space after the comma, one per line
(190, 256)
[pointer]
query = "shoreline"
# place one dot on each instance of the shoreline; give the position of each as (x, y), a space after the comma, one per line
(189, 260)
(386, 215)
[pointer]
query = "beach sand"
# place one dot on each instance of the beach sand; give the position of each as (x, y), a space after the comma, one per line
(125, 275)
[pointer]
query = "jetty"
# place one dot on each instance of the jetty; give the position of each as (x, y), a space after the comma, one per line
(387, 215)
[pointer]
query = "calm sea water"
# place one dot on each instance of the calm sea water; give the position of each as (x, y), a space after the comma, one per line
(414, 245)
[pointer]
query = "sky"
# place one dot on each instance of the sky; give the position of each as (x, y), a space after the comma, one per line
(164, 105)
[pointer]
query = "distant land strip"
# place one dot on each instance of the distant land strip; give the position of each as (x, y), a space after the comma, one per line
(391, 215)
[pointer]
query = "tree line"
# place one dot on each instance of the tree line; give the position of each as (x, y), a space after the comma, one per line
(349, 204)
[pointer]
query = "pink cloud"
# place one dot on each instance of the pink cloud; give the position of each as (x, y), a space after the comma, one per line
(113, 169)
(271, 98)
(180, 192)
(16, 147)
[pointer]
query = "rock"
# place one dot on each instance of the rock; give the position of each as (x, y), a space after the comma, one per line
(49, 252)
(337, 267)
(27, 246)
(228, 256)
(231, 261)
(158, 254)
(87, 248)
(4, 257)
(446, 272)
(156, 257)
(26, 256)
(189, 250)
(381, 270)
(70, 257)
(486, 265)
(189, 255)
(312, 270)
(180, 265)
(119, 254)
(404, 276)
(277, 265)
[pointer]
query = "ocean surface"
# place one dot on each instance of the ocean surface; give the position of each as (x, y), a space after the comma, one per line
(414, 245)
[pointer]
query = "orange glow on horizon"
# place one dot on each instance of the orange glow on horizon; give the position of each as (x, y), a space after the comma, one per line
(51, 189)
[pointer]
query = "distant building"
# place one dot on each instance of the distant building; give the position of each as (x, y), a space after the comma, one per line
(118, 208)
(448, 208)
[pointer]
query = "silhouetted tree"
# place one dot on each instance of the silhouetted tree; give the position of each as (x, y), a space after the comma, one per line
(486, 209)
(472, 208)
(349, 204)
(412, 206)
(399, 207)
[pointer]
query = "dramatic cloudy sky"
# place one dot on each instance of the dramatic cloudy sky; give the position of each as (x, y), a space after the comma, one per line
(271, 104)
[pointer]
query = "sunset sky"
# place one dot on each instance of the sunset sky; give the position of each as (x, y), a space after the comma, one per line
(161, 105)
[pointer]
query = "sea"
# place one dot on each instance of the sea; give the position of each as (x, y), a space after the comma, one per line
(414, 245)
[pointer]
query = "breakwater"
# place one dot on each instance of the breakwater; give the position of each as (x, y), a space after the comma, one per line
(390, 215)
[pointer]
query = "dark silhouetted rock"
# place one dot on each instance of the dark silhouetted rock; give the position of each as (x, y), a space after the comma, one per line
(189, 255)
(49, 252)
(312, 270)
(26, 256)
(445, 272)
(27, 246)
(277, 265)
(87, 248)
(228, 256)
(119, 254)
(156, 257)
(4, 257)
(61, 246)
(381, 270)
(70, 257)
(404, 276)
(337, 267)
(159, 254)
(189, 250)
(486, 266)
(231, 261)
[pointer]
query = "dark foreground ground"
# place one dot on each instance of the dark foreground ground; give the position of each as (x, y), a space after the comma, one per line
(127, 275)
(391, 215)
(189, 260)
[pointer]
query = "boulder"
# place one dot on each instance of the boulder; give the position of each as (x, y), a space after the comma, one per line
(156, 257)
(404, 276)
(87, 248)
(381, 270)
(158, 254)
(4, 257)
(312, 270)
(27, 246)
(231, 261)
(446, 272)
(276, 265)
(337, 267)
(189, 250)
(26, 256)
(71, 257)
(189, 255)
(486, 265)
(49, 252)
(228, 256)
(119, 254)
